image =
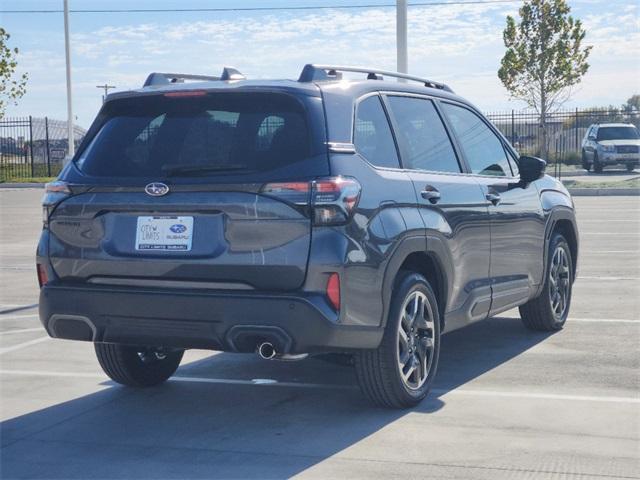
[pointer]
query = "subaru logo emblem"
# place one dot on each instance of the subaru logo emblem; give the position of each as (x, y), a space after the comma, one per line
(178, 228)
(156, 189)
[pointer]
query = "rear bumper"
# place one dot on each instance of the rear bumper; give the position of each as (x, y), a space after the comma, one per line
(230, 321)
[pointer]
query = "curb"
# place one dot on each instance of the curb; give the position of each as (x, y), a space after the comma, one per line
(604, 192)
(22, 185)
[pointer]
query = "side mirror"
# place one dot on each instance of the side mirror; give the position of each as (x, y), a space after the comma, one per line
(531, 169)
(591, 137)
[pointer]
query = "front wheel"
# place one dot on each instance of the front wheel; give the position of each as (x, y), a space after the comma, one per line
(630, 167)
(137, 366)
(549, 311)
(399, 373)
(597, 166)
(585, 164)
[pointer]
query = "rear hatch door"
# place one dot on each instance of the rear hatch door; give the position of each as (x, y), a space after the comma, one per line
(175, 191)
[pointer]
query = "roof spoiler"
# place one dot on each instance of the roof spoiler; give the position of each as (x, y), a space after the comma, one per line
(314, 73)
(157, 78)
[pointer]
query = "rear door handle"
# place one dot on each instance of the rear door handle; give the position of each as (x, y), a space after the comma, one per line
(431, 193)
(493, 197)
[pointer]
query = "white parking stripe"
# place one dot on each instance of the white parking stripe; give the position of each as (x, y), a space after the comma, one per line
(19, 346)
(612, 279)
(541, 396)
(23, 330)
(604, 320)
(275, 383)
(17, 317)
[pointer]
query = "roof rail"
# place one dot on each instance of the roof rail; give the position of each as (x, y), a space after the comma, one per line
(156, 78)
(312, 72)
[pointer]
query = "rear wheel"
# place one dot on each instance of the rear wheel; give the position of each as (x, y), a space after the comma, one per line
(597, 166)
(630, 167)
(399, 373)
(549, 311)
(585, 164)
(137, 366)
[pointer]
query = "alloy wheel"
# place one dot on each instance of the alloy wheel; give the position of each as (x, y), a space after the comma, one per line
(559, 283)
(416, 340)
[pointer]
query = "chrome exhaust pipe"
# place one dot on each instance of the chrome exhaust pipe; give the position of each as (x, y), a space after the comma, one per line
(267, 351)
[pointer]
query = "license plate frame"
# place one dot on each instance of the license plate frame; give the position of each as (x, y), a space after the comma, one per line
(164, 233)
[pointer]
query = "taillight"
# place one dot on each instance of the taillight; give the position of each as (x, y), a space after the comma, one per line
(54, 192)
(186, 93)
(332, 199)
(292, 192)
(43, 278)
(333, 290)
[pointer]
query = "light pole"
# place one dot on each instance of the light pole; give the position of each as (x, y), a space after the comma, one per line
(72, 146)
(106, 87)
(401, 37)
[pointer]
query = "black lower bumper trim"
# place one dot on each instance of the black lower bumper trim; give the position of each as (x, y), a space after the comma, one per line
(220, 320)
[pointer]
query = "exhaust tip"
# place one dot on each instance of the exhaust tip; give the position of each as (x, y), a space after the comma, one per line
(266, 350)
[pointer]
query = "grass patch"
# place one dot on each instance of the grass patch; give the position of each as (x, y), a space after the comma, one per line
(28, 180)
(630, 183)
(22, 172)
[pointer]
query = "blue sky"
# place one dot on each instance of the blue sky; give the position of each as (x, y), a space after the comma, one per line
(458, 44)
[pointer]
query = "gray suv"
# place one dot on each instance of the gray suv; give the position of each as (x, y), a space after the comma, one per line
(611, 144)
(359, 217)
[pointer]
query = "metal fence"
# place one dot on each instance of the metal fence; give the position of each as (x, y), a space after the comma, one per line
(33, 147)
(37, 147)
(565, 130)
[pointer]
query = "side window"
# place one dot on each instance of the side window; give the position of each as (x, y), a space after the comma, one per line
(372, 135)
(482, 148)
(422, 136)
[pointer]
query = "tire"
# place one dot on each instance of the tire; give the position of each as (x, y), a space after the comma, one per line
(630, 167)
(597, 166)
(379, 371)
(137, 366)
(545, 313)
(586, 165)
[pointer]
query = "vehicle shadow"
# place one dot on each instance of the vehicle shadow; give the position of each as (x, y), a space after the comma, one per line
(190, 429)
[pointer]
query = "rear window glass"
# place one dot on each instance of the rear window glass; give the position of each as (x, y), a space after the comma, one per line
(209, 135)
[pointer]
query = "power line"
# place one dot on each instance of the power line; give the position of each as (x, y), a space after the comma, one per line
(266, 9)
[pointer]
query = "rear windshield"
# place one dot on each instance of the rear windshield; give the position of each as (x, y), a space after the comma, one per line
(618, 133)
(216, 134)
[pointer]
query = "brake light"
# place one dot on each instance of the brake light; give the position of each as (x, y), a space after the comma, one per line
(292, 192)
(186, 93)
(42, 274)
(54, 193)
(333, 290)
(334, 200)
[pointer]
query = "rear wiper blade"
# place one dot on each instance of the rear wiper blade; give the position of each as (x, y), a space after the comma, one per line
(186, 169)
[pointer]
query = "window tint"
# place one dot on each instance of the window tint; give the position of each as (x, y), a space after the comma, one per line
(618, 133)
(482, 148)
(424, 140)
(216, 134)
(372, 134)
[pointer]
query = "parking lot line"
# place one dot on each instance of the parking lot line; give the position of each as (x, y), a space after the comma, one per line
(17, 317)
(19, 346)
(23, 330)
(275, 383)
(612, 279)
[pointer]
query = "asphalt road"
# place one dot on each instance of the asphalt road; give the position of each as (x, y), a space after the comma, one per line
(507, 403)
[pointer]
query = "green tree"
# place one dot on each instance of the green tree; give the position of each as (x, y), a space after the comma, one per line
(545, 57)
(11, 89)
(632, 104)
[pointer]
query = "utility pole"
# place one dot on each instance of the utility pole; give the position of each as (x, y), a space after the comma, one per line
(401, 37)
(106, 89)
(72, 146)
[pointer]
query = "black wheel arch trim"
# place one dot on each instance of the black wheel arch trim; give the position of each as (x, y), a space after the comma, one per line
(559, 213)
